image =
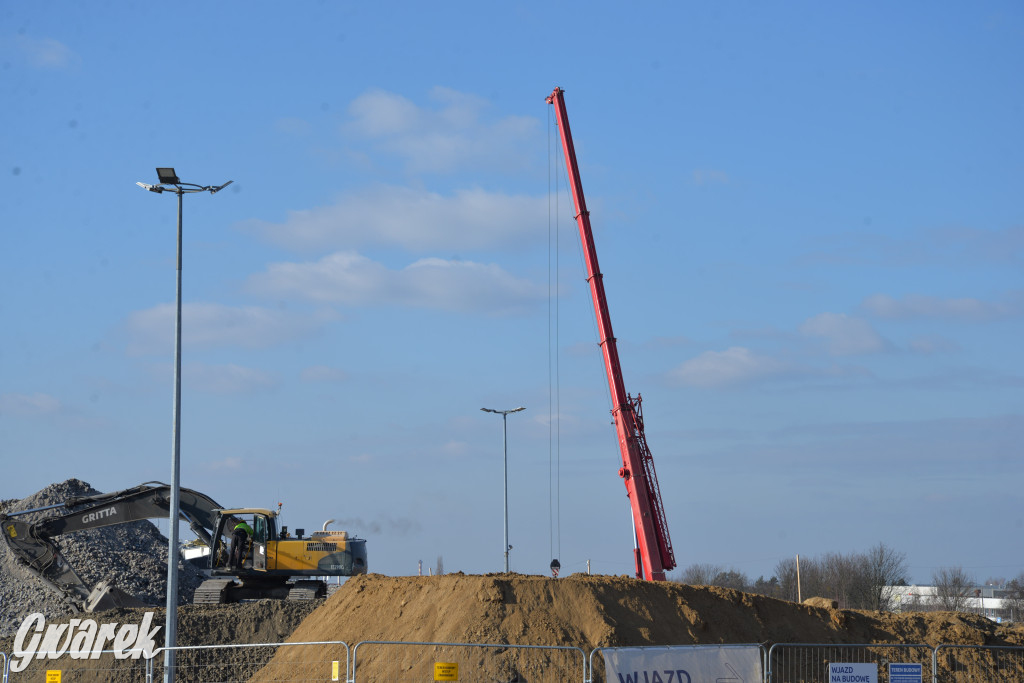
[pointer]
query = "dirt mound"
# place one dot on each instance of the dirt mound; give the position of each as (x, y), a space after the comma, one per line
(579, 610)
(601, 611)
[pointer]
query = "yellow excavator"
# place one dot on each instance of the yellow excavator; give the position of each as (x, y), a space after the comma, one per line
(272, 563)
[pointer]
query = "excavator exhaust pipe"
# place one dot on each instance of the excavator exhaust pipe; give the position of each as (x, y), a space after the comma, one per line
(107, 596)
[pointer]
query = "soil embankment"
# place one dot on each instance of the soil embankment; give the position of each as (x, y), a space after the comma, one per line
(579, 610)
(590, 612)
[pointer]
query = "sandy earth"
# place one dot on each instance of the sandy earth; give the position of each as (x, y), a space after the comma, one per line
(579, 610)
(598, 611)
(590, 612)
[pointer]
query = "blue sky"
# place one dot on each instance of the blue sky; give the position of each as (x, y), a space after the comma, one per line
(808, 216)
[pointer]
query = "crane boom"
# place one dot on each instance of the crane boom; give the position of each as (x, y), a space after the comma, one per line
(653, 555)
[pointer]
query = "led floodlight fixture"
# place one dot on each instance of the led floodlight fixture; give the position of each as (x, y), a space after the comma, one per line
(167, 175)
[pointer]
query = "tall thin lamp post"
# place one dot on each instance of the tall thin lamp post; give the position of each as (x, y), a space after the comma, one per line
(169, 182)
(504, 431)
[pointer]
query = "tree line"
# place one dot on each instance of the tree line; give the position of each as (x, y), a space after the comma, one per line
(858, 580)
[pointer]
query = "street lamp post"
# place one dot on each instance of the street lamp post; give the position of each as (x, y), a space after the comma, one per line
(169, 182)
(504, 431)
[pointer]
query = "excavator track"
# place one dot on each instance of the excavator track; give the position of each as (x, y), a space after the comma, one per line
(306, 590)
(213, 592)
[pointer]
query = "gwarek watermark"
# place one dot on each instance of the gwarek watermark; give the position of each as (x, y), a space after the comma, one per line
(81, 639)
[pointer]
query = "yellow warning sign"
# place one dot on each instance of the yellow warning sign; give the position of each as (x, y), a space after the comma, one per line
(446, 671)
(335, 669)
(53, 676)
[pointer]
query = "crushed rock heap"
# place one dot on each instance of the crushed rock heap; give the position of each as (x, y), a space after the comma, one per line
(132, 556)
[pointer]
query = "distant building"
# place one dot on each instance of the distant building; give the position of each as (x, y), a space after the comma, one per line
(989, 601)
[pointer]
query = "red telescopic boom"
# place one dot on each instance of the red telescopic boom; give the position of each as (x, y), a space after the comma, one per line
(654, 554)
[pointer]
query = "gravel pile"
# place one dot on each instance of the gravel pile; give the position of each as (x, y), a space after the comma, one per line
(131, 556)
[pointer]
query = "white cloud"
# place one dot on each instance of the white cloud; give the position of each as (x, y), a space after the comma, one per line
(998, 246)
(455, 448)
(919, 306)
(226, 379)
(45, 53)
(230, 464)
(736, 365)
(379, 113)
(323, 373)
(448, 136)
(292, 125)
(844, 335)
(353, 279)
(210, 325)
(952, 248)
(927, 345)
(29, 405)
(411, 219)
(707, 176)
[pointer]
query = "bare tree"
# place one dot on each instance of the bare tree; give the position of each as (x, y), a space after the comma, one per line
(811, 578)
(841, 578)
(785, 574)
(882, 566)
(705, 574)
(731, 579)
(854, 580)
(814, 578)
(1014, 599)
(953, 588)
(700, 574)
(770, 587)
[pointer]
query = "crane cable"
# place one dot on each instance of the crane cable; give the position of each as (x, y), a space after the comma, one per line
(559, 168)
(554, 387)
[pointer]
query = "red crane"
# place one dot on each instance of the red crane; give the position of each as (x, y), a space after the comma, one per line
(653, 553)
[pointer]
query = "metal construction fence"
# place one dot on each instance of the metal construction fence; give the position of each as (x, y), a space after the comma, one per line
(313, 661)
(474, 662)
(961, 663)
(105, 665)
(596, 669)
(809, 662)
(466, 662)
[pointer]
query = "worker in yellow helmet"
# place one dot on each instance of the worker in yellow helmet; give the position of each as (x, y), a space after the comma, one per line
(240, 536)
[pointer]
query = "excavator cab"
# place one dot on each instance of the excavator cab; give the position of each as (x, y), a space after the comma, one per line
(260, 524)
(254, 554)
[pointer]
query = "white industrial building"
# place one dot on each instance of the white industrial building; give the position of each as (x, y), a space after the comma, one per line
(989, 601)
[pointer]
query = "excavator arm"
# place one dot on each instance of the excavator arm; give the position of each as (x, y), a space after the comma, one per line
(33, 545)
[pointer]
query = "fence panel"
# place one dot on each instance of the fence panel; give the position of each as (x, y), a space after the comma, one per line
(596, 671)
(259, 662)
(956, 663)
(106, 667)
(377, 661)
(808, 662)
